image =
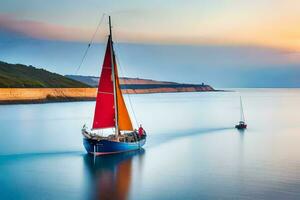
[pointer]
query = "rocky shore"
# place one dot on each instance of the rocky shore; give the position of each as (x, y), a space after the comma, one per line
(44, 95)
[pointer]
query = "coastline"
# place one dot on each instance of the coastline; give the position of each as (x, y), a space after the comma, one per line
(48, 95)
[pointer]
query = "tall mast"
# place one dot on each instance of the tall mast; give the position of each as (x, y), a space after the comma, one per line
(114, 78)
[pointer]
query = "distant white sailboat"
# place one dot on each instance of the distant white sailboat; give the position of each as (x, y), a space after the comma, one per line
(242, 124)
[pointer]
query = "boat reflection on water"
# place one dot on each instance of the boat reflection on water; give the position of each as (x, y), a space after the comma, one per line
(110, 175)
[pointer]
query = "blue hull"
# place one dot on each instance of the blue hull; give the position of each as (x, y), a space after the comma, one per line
(109, 147)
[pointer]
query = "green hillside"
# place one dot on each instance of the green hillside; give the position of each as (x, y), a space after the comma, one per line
(22, 76)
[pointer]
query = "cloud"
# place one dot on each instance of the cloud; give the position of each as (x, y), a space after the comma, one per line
(42, 30)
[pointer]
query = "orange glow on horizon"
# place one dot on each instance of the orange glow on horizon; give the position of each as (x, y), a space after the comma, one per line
(280, 31)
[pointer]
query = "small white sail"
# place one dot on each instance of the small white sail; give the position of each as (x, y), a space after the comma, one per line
(241, 110)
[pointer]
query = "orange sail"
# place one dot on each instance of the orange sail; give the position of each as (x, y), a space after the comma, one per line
(124, 121)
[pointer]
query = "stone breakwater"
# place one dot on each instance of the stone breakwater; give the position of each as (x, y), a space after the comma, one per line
(43, 95)
(168, 89)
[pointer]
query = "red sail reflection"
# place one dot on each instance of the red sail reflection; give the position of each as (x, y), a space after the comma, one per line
(111, 175)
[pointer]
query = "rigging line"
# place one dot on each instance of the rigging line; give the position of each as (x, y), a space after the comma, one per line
(128, 95)
(90, 43)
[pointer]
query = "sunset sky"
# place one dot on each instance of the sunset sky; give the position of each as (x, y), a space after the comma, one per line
(260, 22)
(269, 28)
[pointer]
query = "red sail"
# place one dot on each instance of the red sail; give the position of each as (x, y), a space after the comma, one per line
(104, 111)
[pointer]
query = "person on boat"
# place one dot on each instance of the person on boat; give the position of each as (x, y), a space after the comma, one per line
(141, 131)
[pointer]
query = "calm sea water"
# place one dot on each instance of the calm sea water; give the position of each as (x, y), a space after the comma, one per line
(192, 152)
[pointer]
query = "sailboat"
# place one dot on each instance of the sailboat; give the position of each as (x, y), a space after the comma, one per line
(242, 124)
(111, 113)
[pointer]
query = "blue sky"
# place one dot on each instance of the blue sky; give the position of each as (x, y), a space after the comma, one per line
(224, 43)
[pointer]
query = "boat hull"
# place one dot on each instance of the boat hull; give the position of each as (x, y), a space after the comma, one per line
(110, 147)
(241, 126)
